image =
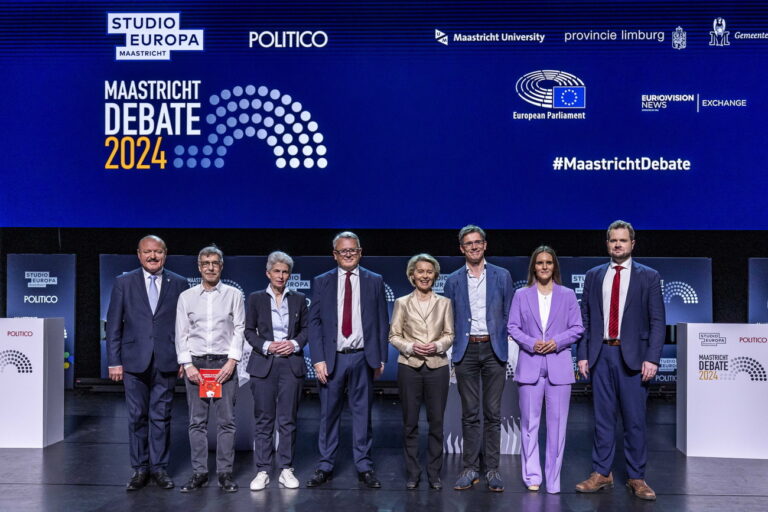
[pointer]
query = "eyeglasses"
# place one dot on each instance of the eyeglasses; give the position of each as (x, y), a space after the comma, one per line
(214, 264)
(348, 252)
(472, 243)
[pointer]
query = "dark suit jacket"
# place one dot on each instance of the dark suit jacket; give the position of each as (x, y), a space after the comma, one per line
(643, 324)
(134, 334)
(498, 297)
(323, 318)
(258, 330)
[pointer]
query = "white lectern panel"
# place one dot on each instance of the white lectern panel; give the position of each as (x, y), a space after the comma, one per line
(32, 382)
(722, 390)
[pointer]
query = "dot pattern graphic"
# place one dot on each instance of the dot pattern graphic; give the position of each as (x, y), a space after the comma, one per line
(388, 293)
(17, 359)
(682, 290)
(747, 365)
(516, 285)
(250, 111)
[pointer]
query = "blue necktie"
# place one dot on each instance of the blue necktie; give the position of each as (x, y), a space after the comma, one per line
(153, 295)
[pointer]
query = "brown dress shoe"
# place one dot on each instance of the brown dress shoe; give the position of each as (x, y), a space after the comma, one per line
(595, 482)
(641, 489)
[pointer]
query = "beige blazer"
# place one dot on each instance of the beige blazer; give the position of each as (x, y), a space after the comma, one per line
(410, 326)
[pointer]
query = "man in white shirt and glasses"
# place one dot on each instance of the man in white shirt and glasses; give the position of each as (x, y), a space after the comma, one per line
(210, 319)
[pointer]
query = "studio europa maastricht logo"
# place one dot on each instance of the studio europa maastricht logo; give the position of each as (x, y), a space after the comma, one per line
(152, 35)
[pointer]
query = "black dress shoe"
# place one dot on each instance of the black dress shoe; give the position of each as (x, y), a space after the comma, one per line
(436, 484)
(226, 483)
(138, 480)
(320, 478)
(196, 481)
(162, 480)
(412, 484)
(369, 479)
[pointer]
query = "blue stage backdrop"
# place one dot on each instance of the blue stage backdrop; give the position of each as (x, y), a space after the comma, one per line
(687, 285)
(43, 285)
(758, 290)
(656, 107)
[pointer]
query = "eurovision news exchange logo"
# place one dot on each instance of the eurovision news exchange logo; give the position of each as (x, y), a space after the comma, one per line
(718, 36)
(40, 279)
(17, 359)
(152, 35)
(552, 90)
(679, 39)
(659, 102)
(723, 367)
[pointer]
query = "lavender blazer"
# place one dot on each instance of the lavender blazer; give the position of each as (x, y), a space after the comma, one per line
(564, 326)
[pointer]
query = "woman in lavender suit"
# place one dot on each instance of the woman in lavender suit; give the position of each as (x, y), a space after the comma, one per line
(545, 321)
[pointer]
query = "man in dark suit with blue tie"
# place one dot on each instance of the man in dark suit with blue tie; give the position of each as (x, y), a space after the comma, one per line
(624, 329)
(348, 340)
(481, 294)
(140, 333)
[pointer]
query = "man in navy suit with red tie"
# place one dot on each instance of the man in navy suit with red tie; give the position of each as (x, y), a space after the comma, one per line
(624, 328)
(348, 340)
(141, 323)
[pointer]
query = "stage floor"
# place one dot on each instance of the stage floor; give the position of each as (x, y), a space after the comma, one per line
(89, 469)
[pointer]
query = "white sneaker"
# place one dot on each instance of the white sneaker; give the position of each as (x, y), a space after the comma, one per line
(260, 481)
(287, 479)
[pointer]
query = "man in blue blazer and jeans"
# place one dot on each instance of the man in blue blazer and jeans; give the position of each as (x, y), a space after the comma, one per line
(141, 352)
(624, 329)
(348, 340)
(481, 294)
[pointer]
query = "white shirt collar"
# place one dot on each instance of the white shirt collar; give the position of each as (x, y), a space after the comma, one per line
(625, 265)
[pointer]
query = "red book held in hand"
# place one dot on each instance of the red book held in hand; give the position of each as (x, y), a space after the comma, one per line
(209, 388)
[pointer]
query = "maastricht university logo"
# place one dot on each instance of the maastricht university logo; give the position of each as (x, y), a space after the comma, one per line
(152, 35)
(552, 89)
(441, 37)
(17, 359)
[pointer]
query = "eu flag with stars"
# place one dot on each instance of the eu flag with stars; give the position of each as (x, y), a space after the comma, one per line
(570, 96)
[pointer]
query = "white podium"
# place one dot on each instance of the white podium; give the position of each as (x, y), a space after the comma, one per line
(722, 390)
(32, 382)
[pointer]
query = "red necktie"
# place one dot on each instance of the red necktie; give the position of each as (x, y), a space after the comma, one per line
(346, 317)
(613, 315)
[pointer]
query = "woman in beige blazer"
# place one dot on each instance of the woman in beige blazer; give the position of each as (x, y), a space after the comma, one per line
(422, 330)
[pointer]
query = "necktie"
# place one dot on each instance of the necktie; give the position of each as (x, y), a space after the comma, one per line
(346, 317)
(153, 295)
(613, 316)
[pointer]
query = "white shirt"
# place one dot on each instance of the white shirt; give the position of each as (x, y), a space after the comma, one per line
(623, 287)
(210, 322)
(280, 320)
(476, 287)
(545, 305)
(355, 339)
(158, 281)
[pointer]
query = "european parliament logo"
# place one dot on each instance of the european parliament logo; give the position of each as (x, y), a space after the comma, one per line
(549, 88)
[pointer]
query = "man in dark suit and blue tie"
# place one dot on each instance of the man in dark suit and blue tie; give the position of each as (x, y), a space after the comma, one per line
(624, 329)
(140, 333)
(348, 340)
(481, 294)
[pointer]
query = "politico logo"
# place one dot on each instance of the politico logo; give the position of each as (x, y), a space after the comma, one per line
(288, 39)
(24, 334)
(753, 339)
(41, 299)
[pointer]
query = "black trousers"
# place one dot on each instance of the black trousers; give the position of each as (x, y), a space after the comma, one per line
(481, 369)
(427, 386)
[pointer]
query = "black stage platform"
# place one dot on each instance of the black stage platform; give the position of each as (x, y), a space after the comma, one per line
(88, 471)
